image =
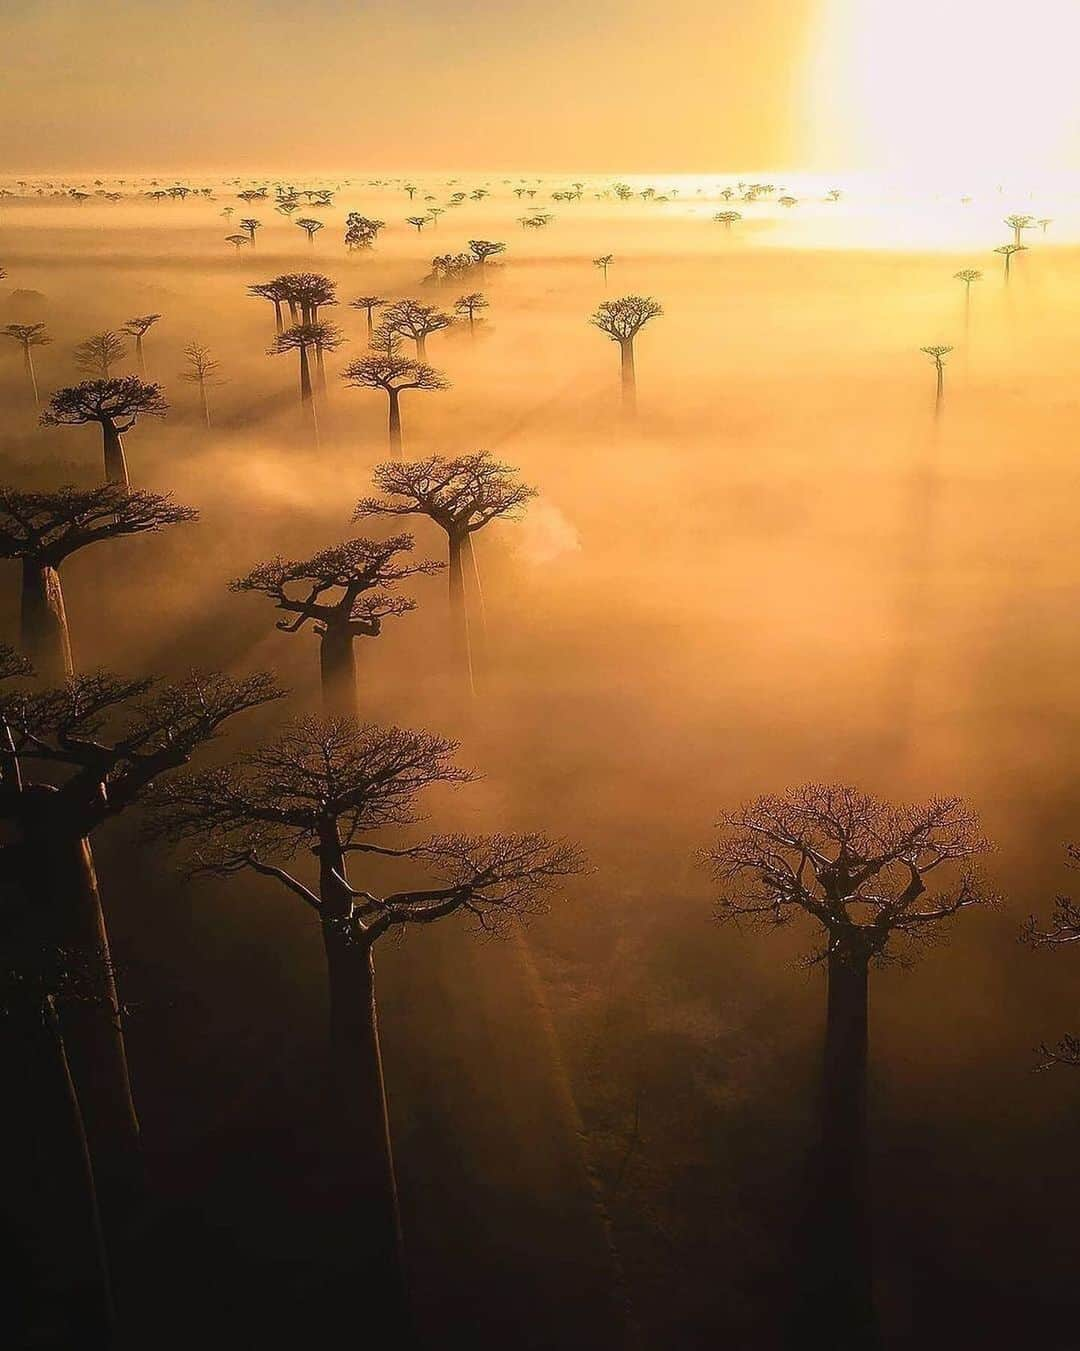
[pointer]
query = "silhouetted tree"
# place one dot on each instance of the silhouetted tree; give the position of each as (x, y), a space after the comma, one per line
(727, 218)
(861, 870)
(1007, 251)
(467, 307)
(461, 494)
(395, 374)
(201, 370)
(360, 231)
(331, 790)
(276, 292)
(303, 338)
(97, 355)
(237, 241)
(413, 320)
(29, 336)
(483, 249)
(310, 226)
(1063, 931)
(45, 528)
(937, 355)
(967, 275)
(249, 225)
(342, 592)
(116, 405)
(417, 222)
(102, 743)
(369, 304)
(622, 320)
(138, 329)
(1017, 224)
(603, 263)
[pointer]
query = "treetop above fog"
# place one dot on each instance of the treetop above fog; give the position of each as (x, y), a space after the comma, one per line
(107, 401)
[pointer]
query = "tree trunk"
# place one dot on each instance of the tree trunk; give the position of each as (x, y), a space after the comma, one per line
(305, 376)
(320, 369)
(629, 379)
(43, 623)
(421, 347)
(32, 374)
(115, 460)
(279, 325)
(474, 606)
(843, 1279)
(139, 358)
(337, 666)
(460, 653)
(205, 403)
(395, 422)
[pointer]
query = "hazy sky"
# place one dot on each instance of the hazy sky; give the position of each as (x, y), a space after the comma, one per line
(627, 85)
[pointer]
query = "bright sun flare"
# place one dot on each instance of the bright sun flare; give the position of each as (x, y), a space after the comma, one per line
(949, 92)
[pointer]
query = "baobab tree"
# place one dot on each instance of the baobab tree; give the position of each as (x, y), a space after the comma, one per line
(116, 405)
(1062, 931)
(329, 790)
(201, 369)
(603, 263)
(138, 329)
(98, 355)
(390, 371)
(249, 225)
(417, 222)
(622, 320)
(276, 292)
(1007, 251)
(43, 529)
(468, 306)
(483, 249)
(967, 275)
(306, 293)
(461, 494)
(310, 226)
(304, 338)
(1017, 224)
(410, 319)
(861, 869)
(727, 218)
(369, 304)
(343, 593)
(29, 336)
(937, 354)
(101, 743)
(361, 232)
(237, 241)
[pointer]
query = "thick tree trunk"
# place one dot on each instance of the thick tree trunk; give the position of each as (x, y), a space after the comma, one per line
(421, 347)
(139, 357)
(629, 379)
(844, 1271)
(115, 460)
(279, 325)
(320, 369)
(395, 422)
(460, 652)
(305, 376)
(337, 666)
(43, 623)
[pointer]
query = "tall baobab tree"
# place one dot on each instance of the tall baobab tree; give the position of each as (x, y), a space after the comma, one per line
(603, 263)
(467, 307)
(138, 329)
(862, 870)
(369, 304)
(102, 742)
(98, 355)
(1017, 224)
(1062, 932)
(417, 222)
(1007, 251)
(343, 593)
(276, 292)
(116, 405)
(330, 789)
(43, 529)
(483, 249)
(306, 293)
(249, 225)
(937, 354)
(395, 374)
(304, 338)
(622, 320)
(410, 319)
(310, 226)
(200, 369)
(29, 336)
(461, 494)
(967, 275)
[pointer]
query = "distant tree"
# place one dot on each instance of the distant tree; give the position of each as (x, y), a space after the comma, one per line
(1063, 931)
(304, 338)
(237, 241)
(330, 790)
(418, 222)
(603, 263)
(788, 201)
(249, 225)
(937, 355)
(1007, 251)
(413, 320)
(967, 275)
(461, 494)
(410, 188)
(727, 218)
(1044, 222)
(310, 226)
(622, 320)
(395, 374)
(1018, 224)
(361, 232)
(138, 329)
(860, 869)
(29, 336)
(200, 369)
(116, 405)
(102, 743)
(43, 529)
(483, 249)
(342, 591)
(97, 355)
(306, 293)
(467, 307)
(369, 304)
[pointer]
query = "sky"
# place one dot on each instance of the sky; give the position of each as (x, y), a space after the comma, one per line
(941, 87)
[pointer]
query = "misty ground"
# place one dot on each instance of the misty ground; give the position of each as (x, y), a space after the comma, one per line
(785, 570)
